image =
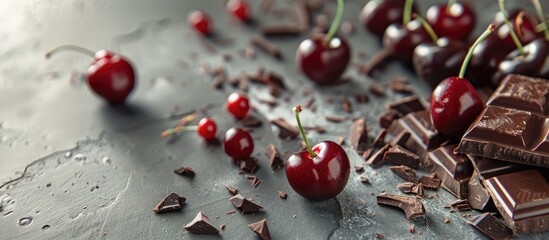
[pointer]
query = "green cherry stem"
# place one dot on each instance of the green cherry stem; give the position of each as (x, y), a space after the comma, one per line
(511, 31)
(336, 22)
(70, 48)
(450, 3)
(297, 110)
(427, 28)
(539, 11)
(178, 130)
(407, 15)
(483, 36)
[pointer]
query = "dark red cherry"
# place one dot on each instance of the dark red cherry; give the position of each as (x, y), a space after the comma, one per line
(435, 62)
(238, 144)
(455, 104)
(486, 59)
(525, 30)
(200, 21)
(535, 62)
(207, 129)
(239, 9)
(377, 15)
(401, 40)
(456, 21)
(238, 105)
(323, 62)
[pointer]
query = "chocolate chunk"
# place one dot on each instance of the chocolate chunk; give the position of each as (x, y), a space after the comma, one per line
(407, 105)
(454, 170)
(249, 165)
(282, 194)
(230, 212)
(245, 205)
(460, 205)
(359, 169)
(364, 179)
(275, 161)
(170, 203)
(400, 139)
(379, 235)
(222, 227)
(281, 30)
(405, 173)
(397, 155)
(522, 198)
(377, 90)
(430, 182)
(358, 135)
(418, 189)
(380, 138)
(232, 190)
(513, 126)
(266, 47)
(386, 119)
(368, 153)
(377, 159)
(185, 171)
(447, 220)
(406, 187)
(261, 229)
(286, 130)
(477, 196)
(492, 227)
(412, 228)
(412, 206)
(362, 98)
(335, 119)
(251, 122)
(346, 105)
(201, 225)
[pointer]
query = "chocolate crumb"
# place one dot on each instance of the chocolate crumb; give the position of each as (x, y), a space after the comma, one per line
(359, 169)
(346, 105)
(249, 165)
(267, 47)
(404, 172)
(222, 227)
(412, 228)
(364, 179)
(286, 130)
(447, 220)
(335, 119)
(185, 171)
(380, 235)
(282, 194)
(251, 121)
(232, 190)
(380, 138)
(377, 90)
(406, 187)
(230, 212)
(362, 98)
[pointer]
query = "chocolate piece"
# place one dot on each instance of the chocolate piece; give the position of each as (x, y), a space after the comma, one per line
(380, 138)
(249, 165)
(405, 173)
(454, 170)
(185, 171)
(377, 159)
(275, 160)
(346, 105)
(377, 90)
(513, 126)
(412, 206)
(362, 98)
(222, 227)
(251, 121)
(407, 105)
(387, 118)
(364, 179)
(281, 30)
(261, 229)
(488, 168)
(368, 153)
(170, 203)
(245, 205)
(492, 227)
(379, 235)
(397, 155)
(477, 196)
(406, 187)
(359, 169)
(447, 220)
(286, 130)
(430, 182)
(522, 198)
(232, 190)
(266, 47)
(282, 194)
(201, 225)
(412, 228)
(358, 135)
(335, 119)
(418, 189)
(400, 139)
(460, 205)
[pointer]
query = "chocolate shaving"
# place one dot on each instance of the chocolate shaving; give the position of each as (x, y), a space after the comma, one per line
(364, 179)
(232, 190)
(376, 160)
(230, 212)
(275, 160)
(287, 131)
(379, 235)
(412, 207)
(335, 119)
(358, 135)
(418, 189)
(447, 220)
(412, 228)
(387, 118)
(222, 227)
(375, 61)
(405, 173)
(266, 47)
(368, 153)
(380, 138)
(170, 203)
(185, 171)
(245, 205)
(400, 139)
(282, 194)
(398, 155)
(201, 225)
(261, 229)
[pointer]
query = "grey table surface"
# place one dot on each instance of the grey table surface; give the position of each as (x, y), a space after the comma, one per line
(95, 171)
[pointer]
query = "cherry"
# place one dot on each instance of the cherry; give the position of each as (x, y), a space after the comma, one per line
(206, 129)
(240, 9)
(435, 61)
(455, 103)
(377, 15)
(200, 21)
(401, 40)
(238, 105)
(454, 20)
(238, 143)
(521, 22)
(323, 58)
(319, 173)
(111, 76)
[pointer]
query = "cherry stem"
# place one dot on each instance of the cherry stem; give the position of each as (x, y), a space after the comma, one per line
(450, 3)
(336, 22)
(297, 110)
(407, 15)
(178, 130)
(539, 11)
(467, 58)
(71, 48)
(427, 28)
(511, 31)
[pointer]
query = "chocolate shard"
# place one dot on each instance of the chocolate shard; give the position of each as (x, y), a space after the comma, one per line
(282, 194)
(460, 205)
(454, 170)
(244, 204)
(380, 138)
(491, 227)
(286, 130)
(377, 159)
(400, 139)
(377, 90)
(407, 105)
(405, 173)
(364, 179)
(232, 190)
(267, 47)
(185, 171)
(275, 161)
(430, 182)
(418, 189)
(261, 229)
(359, 169)
(346, 105)
(522, 198)
(201, 225)
(406, 187)
(249, 165)
(335, 119)
(170, 203)
(358, 135)
(387, 118)
(412, 206)
(398, 155)
(477, 196)
(251, 122)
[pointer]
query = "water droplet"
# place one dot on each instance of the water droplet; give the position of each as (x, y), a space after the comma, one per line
(68, 154)
(46, 227)
(106, 160)
(25, 221)
(79, 157)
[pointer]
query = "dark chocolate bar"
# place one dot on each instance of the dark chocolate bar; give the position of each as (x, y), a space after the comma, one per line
(454, 170)
(514, 126)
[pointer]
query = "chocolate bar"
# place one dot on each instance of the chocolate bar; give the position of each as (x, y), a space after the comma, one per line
(514, 126)
(454, 170)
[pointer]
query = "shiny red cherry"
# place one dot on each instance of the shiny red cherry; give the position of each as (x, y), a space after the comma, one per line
(207, 129)
(323, 62)
(456, 21)
(238, 144)
(200, 21)
(535, 62)
(238, 105)
(240, 9)
(435, 62)
(525, 29)
(401, 40)
(377, 15)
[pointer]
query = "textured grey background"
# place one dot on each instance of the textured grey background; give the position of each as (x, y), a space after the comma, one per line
(107, 166)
